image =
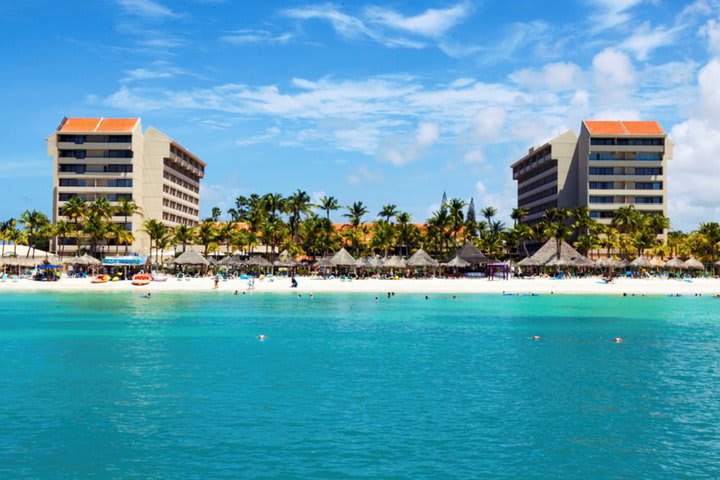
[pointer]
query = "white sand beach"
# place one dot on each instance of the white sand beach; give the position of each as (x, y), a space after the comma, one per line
(575, 286)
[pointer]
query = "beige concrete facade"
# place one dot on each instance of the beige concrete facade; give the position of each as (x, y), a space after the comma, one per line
(609, 166)
(546, 177)
(112, 158)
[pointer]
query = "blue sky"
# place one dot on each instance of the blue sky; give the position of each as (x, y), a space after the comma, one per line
(379, 102)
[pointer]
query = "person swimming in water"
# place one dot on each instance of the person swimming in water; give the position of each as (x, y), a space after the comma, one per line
(536, 337)
(261, 337)
(618, 340)
(147, 295)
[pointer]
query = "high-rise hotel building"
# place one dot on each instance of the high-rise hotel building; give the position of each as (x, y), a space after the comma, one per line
(611, 164)
(112, 158)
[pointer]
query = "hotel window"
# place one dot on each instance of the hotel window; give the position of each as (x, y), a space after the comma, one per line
(602, 156)
(652, 200)
(73, 168)
(648, 185)
(604, 214)
(649, 171)
(602, 141)
(602, 185)
(72, 182)
(640, 141)
(601, 171)
(602, 199)
(648, 156)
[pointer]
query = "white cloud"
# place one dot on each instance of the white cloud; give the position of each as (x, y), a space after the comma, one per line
(363, 174)
(611, 13)
(646, 39)
(489, 122)
(427, 134)
(400, 153)
(613, 69)
(146, 8)
(264, 137)
(695, 168)
(473, 157)
(431, 23)
(145, 74)
(553, 76)
(711, 33)
(245, 37)
(480, 188)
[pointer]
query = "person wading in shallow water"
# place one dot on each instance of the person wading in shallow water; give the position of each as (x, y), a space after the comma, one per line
(217, 281)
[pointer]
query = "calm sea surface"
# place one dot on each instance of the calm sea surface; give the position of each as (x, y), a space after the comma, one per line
(178, 386)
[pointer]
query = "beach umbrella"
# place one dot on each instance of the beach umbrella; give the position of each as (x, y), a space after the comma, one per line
(83, 261)
(342, 259)
(657, 262)
(323, 262)
(548, 252)
(471, 254)
(528, 262)
(675, 263)
(285, 262)
(610, 262)
(693, 263)
(257, 261)
(457, 262)
(641, 262)
(560, 262)
(363, 262)
(30, 261)
(582, 261)
(421, 259)
(191, 258)
(394, 262)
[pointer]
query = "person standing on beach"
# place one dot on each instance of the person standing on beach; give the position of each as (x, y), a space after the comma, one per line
(217, 281)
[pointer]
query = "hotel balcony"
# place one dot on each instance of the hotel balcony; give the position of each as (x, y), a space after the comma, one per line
(94, 146)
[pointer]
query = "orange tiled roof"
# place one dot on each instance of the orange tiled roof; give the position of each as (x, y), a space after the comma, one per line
(117, 124)
(596, 127)
(643, 128)
(98, 124)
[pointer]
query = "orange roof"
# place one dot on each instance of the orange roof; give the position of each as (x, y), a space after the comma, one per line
(117, 124)
(97, 124)
(643, 128)
(79, 124)
(596, 127)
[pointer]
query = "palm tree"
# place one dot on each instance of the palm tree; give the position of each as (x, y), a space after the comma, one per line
(34, 223)
(388, 212)
(521, 233)
(126, 207)
(75, 209)
(156, 230)
(215, 215)
(95, 227)
(355, 213)
(457, 217)
(4, 227)
(710, 231)
(183, 234)
(205, 235)
(62, 229)
(298, 204)
(556, 226)
(471, 223)
(224, 233)
(488, 213)
(517, 214)
(328, 204)
(102, 208)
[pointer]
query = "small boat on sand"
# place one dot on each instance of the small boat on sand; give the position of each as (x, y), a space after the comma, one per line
(100, 279)
(159, 278)
(141, 279)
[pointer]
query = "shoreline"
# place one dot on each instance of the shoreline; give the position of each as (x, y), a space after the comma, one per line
(542, 286)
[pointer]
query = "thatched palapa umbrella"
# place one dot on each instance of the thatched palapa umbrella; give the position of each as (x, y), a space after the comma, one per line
(675, 263)
(529, 262)
(342, 259)
(394, 262)
(30, 261)
(693, 263)
(191, 258)
(657, 262)
(610, 262)
(83, 261)
(547, 255)
(457, 262)
(285, 262)
(257, 261)
(471, 254)
(323, 262)
(421, 259)
(641, 262)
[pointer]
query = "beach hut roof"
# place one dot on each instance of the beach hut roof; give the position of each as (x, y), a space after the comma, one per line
(363, 262)
(471, 254)
(548, 252)
(286, 261)
(675, 263)
(657, 262)
(257, 261)
(342, 259)
(21, 261)
(693, 263)
(582, 261)
(323, 262)
(192, 258)
(84, 260)
(610, 262)
(641, 262)
(457, 262)
(394, 262)
(560, 262)
(528, 262)
(422, 259)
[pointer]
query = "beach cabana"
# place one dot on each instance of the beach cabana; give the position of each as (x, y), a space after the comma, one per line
(342, 259)
(285, 262)
(610, 262)
(421, 259)
(657, 262)
(529, 262)
(693, 263)
(230, 261)
(323, 262)
(257, 261)
(394, 262)
(675, 263)
(83, 261)
(472, 255)
(191, 258)
(547, 255)
(641, 262)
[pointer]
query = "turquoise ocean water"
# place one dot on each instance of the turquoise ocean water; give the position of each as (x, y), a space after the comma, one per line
(178, 386)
